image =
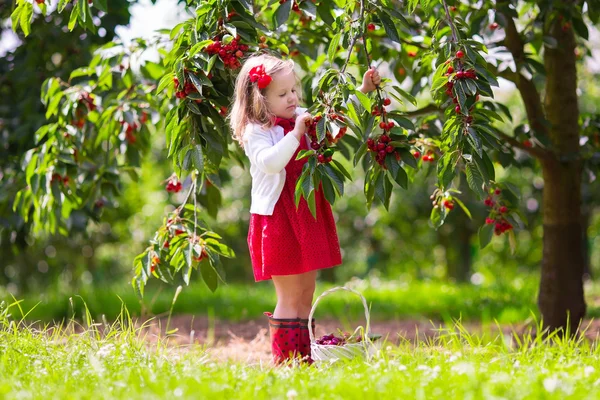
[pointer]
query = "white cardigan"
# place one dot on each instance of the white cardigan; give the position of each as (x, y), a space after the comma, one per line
(269, 151)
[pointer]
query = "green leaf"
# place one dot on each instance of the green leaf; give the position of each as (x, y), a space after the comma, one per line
(73, 17)
(333, 45)
(437, 217)
(401, 178)
(475, 180)
(475, 141)
(63, 3)
(324, 11)
(198, 157)
(101, 4)
(220, 248)
(187, 267)
(328, 189)
(390, 27)
(580, 27)
(283, 13)
(445, 169)
(164, 81)
(359, 154)
(25, 18)
(321, 128)
(341, 169)
(407, 95)
(402, 121)
(304, 153)
(486, 233)
(335, 177)
(364, 100)
(209, 275)
(407, 157)
(462, 205)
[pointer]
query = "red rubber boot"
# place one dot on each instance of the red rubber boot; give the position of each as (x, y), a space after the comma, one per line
(285, 337)
(304, 345)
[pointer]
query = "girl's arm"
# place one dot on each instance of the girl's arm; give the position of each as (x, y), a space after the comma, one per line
(269, 158)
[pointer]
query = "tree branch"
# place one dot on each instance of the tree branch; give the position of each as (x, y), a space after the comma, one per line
(529, 93)
(533, 151)
(428, 109)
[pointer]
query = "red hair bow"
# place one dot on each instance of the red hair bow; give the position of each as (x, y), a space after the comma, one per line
(258, 74)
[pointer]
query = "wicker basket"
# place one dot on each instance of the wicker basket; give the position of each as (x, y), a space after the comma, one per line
(324, 353)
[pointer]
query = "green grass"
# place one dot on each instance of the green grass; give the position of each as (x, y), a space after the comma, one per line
(60, 364)
(507, 302)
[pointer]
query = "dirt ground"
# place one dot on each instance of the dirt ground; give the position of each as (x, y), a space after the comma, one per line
(248, 341)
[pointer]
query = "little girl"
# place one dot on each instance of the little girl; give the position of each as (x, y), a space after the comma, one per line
(286, 244)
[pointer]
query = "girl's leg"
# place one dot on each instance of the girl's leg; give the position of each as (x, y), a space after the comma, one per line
(294, 294)
(309, 283)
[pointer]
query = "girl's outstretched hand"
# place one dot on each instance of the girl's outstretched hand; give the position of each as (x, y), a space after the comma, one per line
(303, 121)
(371, 80)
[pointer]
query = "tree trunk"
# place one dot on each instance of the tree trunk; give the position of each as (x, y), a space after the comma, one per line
(561, 299)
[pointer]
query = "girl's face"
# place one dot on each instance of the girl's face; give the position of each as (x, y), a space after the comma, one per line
(281, 96)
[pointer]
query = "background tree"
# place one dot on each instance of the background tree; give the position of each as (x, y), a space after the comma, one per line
(437, 47)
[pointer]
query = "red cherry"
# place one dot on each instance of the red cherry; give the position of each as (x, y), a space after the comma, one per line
(321, 158)
(450, 69)
(385, 138)
(416, 154)
(489, 221)
(382, 125)
(380, 146)
(498, 191)
(503, 209)
(315, 145)
(382, 154)
(387, 101)
(527, 143)
(460, 54)
(457, 109)
(371, 27)
(389, 148)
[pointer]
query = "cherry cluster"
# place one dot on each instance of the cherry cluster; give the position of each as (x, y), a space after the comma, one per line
(173, 184)
(497, 213)
(188, 87)
(59, 178)
(333, 340)
(154, 263)
(229, 53)
(130, 129)
(461, 74)
(88, 100)
(324, 153)
(428, 157)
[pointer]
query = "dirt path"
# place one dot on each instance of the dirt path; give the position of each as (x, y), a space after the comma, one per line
(248, 341)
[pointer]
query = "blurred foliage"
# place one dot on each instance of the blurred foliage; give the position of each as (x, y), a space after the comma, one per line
(398, 244)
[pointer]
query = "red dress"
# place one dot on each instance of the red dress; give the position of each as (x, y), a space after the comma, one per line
(291, 241)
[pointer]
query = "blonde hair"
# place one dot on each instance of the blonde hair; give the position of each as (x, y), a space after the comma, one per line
(250, 103)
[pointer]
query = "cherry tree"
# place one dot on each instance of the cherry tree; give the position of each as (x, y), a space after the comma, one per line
(447, 54)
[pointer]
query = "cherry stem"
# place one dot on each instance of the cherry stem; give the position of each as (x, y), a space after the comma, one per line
(452, 27)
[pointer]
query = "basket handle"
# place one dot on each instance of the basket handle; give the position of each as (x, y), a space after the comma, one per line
(325, 293)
